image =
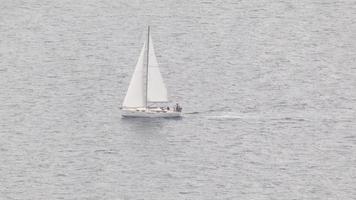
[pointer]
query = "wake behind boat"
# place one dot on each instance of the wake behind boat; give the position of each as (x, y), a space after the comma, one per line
(147, 89)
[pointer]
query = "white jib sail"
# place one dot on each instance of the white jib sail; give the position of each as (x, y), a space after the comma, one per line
(135, 96)
(157, 91)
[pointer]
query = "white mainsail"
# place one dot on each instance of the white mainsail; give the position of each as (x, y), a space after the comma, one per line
(135, 96)
(156, 89)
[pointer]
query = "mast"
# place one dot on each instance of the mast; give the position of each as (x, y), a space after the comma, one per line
(148, 49)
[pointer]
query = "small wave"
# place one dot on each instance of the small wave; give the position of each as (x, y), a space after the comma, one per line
(192, 113)
(226, 117)
(204, 111)
(234, 116)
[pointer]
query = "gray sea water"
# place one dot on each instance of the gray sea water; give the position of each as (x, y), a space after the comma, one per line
(268, 90)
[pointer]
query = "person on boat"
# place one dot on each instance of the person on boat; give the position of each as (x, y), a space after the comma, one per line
(167, 107)
(178, 108)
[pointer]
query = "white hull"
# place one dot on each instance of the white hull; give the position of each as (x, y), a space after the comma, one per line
(150, 113)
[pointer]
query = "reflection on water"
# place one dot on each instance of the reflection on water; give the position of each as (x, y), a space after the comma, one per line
(145, 126)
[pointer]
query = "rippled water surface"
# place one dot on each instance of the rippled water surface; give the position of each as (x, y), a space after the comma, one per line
(267, 87)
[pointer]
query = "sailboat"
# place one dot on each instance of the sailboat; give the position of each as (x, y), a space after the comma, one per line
(147, 88)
